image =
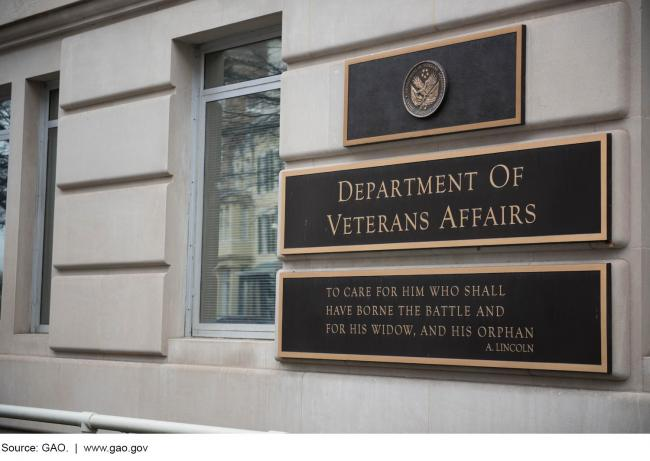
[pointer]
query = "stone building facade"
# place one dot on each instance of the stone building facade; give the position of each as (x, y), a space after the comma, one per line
(142, 142)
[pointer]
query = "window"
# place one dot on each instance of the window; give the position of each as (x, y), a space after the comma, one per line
(267, 233)
(268, 168)
(5, 118)
(45, 218)
(235, 259)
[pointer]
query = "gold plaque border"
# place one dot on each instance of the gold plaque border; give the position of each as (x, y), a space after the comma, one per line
(519, 30)
(601, 236)
(602, 367)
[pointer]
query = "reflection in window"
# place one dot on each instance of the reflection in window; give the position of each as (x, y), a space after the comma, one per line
(257, 290)
(241, 157)
(5, 116)
(267, 230)
(268, 168)
(244, 63)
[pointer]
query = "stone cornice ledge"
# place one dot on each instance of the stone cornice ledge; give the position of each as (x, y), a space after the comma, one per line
(72, 18)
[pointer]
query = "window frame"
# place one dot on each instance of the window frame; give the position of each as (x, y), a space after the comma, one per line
(41, 190)
(200, 98)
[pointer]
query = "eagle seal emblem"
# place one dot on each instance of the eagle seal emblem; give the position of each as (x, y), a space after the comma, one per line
(424, 88)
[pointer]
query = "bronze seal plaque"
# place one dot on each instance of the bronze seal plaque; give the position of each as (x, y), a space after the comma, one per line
(382, 101)
(424, 88)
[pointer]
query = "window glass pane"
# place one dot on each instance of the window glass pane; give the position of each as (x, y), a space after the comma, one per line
(5, 114)
(249, 62)
(239, 261)
(48, 226)
(53, 106)
(4, 168)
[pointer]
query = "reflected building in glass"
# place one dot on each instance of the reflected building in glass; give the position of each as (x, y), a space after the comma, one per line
(5, 118)
(241, 169)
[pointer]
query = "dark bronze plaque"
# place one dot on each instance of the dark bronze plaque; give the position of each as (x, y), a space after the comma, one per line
(545, 317)
(483, 75)
(541, 192)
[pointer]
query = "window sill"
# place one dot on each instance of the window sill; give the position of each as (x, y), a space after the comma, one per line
(234, 331)
(36, 344)
(223, 352)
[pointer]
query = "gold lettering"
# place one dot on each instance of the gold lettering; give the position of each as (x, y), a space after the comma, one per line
(358, 220)
(382, 190)
(424, 220)
(453, 182)
(349, 186)
(440, 184)
(370, 224)
(347, 226)
(448, 217)
(490, 217)
(476, 215)
(394, 183)
(464, 216)
(424, 188)
(514, 214)
(371, 189)
(397, 223)
(472, 175)
(507, 172)
(332, 226)
(358, 191)
(518, 174)
(408, 182)
(382, 223)
(530, 211)
(410, 221)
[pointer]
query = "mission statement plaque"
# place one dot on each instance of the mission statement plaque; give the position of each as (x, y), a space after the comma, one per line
(544, 317)
(547, 191)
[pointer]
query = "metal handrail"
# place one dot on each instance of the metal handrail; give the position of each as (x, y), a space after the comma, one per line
(90, 422)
